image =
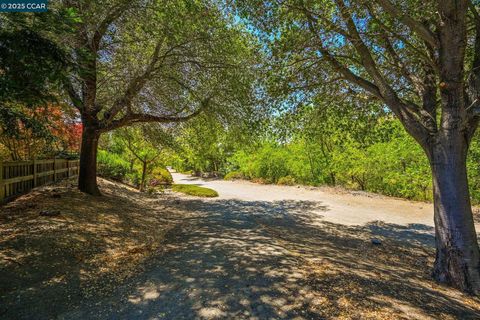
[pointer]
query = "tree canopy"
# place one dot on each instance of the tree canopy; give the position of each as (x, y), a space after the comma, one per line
(339, 79)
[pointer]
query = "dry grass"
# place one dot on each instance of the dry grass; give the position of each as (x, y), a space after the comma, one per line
(92, 246)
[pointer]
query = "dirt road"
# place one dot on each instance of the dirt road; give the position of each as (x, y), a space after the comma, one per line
(255, 252)
(348, 208)
(272, 252)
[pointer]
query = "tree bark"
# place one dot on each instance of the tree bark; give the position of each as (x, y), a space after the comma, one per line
(457, 260)
(87, 179)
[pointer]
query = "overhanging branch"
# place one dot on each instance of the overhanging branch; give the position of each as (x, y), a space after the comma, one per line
(132, 118)
(417, 27)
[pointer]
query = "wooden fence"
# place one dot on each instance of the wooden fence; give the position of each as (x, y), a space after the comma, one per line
(19, 177)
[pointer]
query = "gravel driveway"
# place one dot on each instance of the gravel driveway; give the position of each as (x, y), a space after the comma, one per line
(272, 252)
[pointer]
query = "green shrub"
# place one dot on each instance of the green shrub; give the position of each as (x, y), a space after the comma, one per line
(261, 181)
(234, 175)
(160, 176)
(268, 163)
(368, 151)
(111, 165)
(194, 190)
(286, 181)
(151, 190)
(134, 177)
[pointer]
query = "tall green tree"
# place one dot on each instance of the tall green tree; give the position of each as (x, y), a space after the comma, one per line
(152, 61)
(422, 60)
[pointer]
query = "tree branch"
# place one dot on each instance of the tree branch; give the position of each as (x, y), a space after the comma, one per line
(132, 118)
(74, 97)
(135, 86)
(131, 149)
(113, 15)
(408, 113)
(417, 27)
(340, 68)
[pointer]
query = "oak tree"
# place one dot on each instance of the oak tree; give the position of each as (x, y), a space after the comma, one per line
(421, 59)
(151, 61)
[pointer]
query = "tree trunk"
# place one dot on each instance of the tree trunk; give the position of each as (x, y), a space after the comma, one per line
(87, 179)
(457, 260)
(332, 179)
(144, 174)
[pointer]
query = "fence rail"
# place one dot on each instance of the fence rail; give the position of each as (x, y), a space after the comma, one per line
(19, 177)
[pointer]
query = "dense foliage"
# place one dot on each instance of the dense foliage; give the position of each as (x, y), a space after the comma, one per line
(376, 167)
(360, 147)
(136, 156)
(33, 121)
(44, 131)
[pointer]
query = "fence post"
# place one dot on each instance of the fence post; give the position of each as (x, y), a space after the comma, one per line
(34, 173)
(2, 187)
(77, 169)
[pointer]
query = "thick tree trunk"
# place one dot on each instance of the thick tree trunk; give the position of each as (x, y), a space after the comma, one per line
(457, 260)
(87, 179)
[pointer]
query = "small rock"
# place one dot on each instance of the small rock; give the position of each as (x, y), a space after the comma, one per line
(49, 213)
(376, 241)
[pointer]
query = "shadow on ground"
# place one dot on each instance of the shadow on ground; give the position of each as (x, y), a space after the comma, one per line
(279, 260)
(48, 265)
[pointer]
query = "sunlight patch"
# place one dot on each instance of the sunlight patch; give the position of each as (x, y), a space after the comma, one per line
(211, 313)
